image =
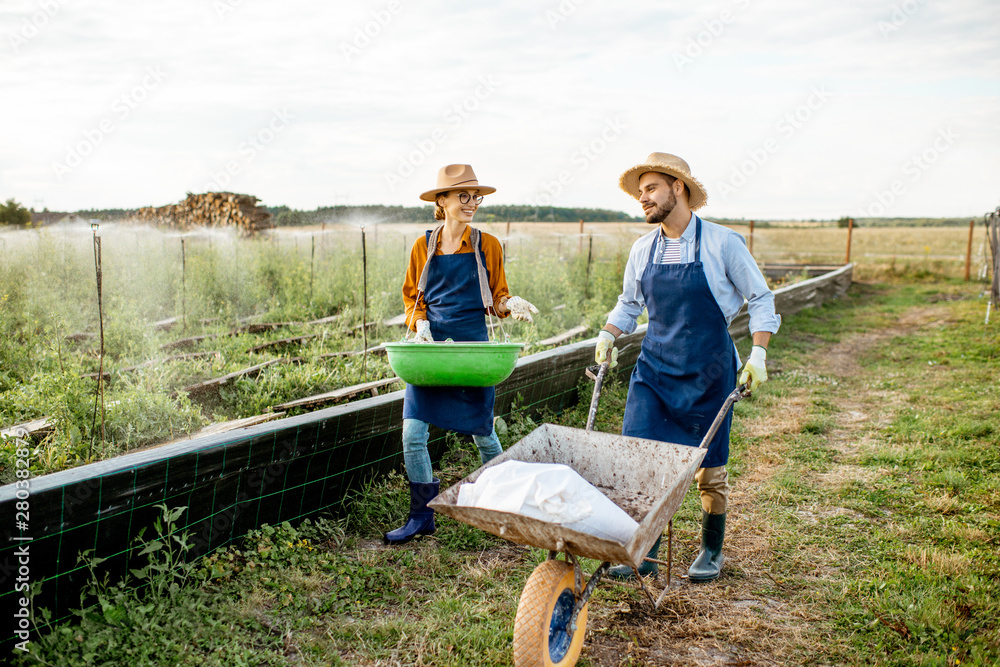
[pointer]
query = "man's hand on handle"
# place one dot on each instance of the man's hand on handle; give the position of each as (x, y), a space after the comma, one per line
(754, 371)
(423, 332)
(605, 342)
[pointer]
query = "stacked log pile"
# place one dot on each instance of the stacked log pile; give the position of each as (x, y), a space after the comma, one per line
(212, 209)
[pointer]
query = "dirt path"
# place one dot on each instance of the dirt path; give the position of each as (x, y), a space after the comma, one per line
(735, 621)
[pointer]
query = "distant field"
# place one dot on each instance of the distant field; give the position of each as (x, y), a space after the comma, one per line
(790, 242)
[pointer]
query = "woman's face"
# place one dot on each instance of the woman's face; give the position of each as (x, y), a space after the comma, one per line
(460, 205)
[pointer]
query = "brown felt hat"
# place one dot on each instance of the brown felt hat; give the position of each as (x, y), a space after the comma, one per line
(456, 177)
(665, 163)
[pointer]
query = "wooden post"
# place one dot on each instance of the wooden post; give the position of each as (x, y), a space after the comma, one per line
(590, 256)
(183, 287)
(750, 238)
(99, 396)
(580, 246)
(312, 268)
(968, 251)
(364, 307)
(507, 233)
(850, 229)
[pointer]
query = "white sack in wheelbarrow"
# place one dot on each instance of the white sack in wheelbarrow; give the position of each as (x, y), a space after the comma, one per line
(550, 492)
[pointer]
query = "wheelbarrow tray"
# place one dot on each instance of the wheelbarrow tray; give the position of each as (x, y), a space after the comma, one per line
(646, 478)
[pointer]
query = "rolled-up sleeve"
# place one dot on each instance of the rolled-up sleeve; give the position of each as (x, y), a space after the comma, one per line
(743, 272)
(630, 302)
(413, 301)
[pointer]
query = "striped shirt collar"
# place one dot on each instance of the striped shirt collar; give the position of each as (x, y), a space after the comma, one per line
(687, 236)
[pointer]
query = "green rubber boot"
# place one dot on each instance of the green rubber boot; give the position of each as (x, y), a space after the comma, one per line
(708, 564)
(625, 573)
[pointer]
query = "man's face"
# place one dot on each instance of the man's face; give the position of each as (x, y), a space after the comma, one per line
(656, 196)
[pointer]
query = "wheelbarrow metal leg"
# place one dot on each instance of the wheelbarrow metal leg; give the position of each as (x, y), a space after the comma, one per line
(670, 560)
(581, 601)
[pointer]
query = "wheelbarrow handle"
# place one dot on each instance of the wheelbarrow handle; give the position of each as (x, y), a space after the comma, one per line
(598, 379)
(737, 394)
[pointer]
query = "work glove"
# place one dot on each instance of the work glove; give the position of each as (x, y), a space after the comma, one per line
(423, 332)
(520, 309)
(755, 371)
(605, 342)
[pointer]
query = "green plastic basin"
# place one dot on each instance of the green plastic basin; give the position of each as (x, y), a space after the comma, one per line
(453, 364)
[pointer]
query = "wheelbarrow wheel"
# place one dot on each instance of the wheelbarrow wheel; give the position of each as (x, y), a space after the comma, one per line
(542, 637)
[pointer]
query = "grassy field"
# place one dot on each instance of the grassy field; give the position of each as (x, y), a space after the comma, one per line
(864, 529)
(220, 283)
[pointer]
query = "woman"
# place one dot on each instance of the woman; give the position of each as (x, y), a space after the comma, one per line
(447, 293)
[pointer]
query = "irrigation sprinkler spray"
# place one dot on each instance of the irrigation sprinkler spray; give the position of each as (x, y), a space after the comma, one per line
(364, 305)
(99, 396)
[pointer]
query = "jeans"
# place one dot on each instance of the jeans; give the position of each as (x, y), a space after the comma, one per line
(418, 461)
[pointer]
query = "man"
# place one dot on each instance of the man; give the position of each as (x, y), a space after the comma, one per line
(692, 277)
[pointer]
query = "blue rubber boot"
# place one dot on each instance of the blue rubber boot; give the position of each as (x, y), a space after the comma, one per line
(421, 520)
(708, 564)
(625, 573)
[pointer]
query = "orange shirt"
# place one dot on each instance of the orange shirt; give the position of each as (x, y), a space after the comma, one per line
(493, 252)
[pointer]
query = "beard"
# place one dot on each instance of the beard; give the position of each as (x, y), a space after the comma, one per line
(659, 213)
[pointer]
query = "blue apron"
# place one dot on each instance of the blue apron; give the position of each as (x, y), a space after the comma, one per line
(454, 310)
(687, 365)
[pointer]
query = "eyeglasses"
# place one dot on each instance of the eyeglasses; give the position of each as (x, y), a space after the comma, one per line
(465, 198)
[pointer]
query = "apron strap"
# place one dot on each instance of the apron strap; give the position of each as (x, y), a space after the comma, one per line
(476, 237)
(432, 242)
(697, 240)
(484, 280)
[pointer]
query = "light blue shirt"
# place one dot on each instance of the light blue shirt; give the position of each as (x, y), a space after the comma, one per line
(730, 269)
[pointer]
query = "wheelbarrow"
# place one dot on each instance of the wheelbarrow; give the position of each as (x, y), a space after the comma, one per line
(646, 478)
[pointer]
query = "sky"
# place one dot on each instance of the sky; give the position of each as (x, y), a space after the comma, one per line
(788, 109)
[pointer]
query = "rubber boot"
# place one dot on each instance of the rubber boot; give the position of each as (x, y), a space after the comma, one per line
(708, 564)
(421, 520)
(625, 573)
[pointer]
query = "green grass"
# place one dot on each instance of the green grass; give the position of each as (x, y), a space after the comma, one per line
(918, 575)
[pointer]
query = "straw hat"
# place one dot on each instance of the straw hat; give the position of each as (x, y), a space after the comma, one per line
(456, 177)
(665, 163)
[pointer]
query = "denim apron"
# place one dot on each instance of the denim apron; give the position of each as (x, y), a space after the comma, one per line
(454, 310)
(686, 366)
